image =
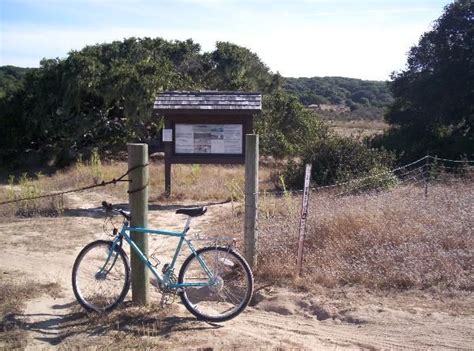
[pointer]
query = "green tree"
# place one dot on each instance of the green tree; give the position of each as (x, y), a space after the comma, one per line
(338, 90)
(102, 96)
(232, 67)
(11, 79)
(285, 126)
(98, 97)
(433, 109)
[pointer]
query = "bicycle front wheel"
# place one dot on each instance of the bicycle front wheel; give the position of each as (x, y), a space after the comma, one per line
(223, 284)
(100, 277)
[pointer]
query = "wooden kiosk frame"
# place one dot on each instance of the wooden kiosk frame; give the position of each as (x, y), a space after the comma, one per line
(219, 115)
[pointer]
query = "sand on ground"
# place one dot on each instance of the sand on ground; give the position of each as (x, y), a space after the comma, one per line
(44, 250)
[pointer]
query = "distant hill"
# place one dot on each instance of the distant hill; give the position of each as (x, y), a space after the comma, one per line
(353, 93)
(11, 78)
(335, 95)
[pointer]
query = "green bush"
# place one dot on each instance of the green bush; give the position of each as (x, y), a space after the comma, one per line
(285, 126)
(337, 159)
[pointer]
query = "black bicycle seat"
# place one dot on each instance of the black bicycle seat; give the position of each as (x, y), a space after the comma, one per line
(192, 211)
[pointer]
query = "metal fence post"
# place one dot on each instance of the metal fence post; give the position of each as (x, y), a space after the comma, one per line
(304, 215)
(427, 174)
(251, 198)
(138, 200)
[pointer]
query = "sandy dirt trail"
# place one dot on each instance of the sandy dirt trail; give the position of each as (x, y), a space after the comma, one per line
(44, 249)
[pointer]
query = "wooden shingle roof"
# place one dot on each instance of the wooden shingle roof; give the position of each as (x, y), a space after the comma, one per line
(208, 101)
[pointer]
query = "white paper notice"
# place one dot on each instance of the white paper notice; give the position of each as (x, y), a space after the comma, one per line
(208, 139)
(233, 139)
(184, 139)
(217, 147)
(167, 134)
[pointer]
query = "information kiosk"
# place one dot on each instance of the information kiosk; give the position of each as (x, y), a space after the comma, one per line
(205, 126)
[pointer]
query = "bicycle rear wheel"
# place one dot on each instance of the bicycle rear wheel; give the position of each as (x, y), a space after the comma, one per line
(230, 288)
(101, 278)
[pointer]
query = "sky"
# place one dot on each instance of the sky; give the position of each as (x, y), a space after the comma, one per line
(301, 38)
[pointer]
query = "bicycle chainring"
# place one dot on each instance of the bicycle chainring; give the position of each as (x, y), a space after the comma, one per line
(168, 295)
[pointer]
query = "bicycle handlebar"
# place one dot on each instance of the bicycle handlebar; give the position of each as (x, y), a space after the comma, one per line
(108, 207)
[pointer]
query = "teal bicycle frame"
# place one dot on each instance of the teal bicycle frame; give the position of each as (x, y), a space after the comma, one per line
(164, 280)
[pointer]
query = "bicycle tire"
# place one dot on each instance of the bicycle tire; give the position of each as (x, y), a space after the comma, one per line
(114, 280)
(233, 284)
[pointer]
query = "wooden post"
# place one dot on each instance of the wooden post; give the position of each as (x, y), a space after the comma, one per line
(138, 199)
(304, 215)
(251, 198)
(168, 146)
(167, 177)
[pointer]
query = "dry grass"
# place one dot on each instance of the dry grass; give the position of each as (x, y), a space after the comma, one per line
(15, 291)
(132, 327)
(394, 240)
(196, 183)
(127, 327)
(358, 129)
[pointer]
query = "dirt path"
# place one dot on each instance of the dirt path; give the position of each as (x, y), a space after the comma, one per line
(45, 250)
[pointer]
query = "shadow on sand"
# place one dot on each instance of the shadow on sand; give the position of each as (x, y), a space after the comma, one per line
(127, 320)
(98, 212)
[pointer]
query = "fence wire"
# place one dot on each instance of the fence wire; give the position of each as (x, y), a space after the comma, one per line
(424, 168)
(346, 219)
(103, 183)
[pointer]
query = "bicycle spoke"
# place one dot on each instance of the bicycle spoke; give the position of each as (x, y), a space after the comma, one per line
(100, 279)
(230, 288)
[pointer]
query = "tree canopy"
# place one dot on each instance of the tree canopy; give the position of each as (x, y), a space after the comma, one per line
(433, 110)
(11, 79)
(102, 96)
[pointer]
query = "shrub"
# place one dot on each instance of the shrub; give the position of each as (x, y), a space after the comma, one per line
(285, 126)
(338, 159)
(26, 187)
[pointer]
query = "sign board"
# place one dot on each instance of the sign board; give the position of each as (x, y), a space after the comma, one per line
(167, 135)
(207, 127)
(208, 139)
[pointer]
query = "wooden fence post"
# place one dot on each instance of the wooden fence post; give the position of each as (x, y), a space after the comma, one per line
(251, 198)
(167, 177)
(138, 200)
(304, 215)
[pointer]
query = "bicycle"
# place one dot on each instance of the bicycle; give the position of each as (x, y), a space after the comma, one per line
(215, 283)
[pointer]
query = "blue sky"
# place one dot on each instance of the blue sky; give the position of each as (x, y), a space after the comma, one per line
(351, 38)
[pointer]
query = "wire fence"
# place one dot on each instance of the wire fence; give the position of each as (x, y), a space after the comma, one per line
(425, 169)
(350, 206)
(422, 171)
(80, 189)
